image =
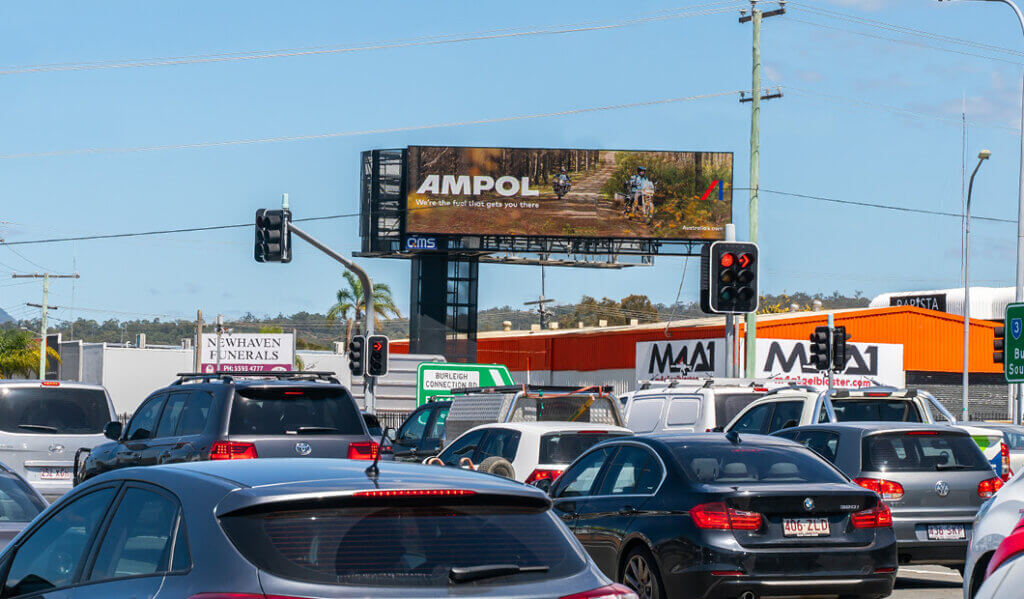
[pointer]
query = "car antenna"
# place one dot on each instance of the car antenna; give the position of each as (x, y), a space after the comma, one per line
(733, 437)
(372, 470)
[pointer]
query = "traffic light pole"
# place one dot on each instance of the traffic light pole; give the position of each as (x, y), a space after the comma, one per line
(367, 284)
(831, 345)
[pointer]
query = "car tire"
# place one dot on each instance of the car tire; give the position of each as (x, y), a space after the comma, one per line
(640, 573)
(497, 466)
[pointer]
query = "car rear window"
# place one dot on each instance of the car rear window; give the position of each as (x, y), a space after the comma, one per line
(564, 448)
(924, 451)
(53, 410)
(728, 405)
(17, 502)
(291, 410)
(721, 464)
(598, 409)
(886, 410)
(403, 546)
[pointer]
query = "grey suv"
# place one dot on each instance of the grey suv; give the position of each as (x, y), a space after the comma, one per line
(228, 417)
(43, 423)
(933, 477)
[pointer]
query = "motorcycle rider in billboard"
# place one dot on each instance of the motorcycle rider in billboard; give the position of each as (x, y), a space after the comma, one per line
(635, 187)
(562, 183)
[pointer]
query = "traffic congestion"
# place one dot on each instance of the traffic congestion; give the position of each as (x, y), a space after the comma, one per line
(225, 485)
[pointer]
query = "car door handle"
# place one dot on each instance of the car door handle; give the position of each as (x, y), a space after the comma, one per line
(413, 451)
(629, 511)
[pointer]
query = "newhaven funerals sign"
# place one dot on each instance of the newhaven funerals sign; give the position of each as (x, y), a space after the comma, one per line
(249, 352)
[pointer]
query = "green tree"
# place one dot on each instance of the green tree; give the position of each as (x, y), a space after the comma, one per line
(350, 304)
(639, 307)
(19, 354)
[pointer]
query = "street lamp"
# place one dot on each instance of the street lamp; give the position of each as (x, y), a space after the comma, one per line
(982, 157)
(1019, 295)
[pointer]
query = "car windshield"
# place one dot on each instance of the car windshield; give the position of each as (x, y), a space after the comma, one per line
(563, 448)
(403, 546)
(922, 451)
(707, 463)
(57, 410)
(885, 410)
(728, 405)
(17, 502)
(294, 410)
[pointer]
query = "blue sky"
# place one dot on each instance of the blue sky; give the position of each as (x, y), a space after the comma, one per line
(829, 137)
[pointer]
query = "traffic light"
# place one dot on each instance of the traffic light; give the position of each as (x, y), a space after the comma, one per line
(839, 346)
(357, 355)
(273, 239)
(377, 362)
(820, 348)
(729, 277)
(998, 344)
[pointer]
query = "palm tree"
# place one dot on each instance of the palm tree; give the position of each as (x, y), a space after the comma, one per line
(351, 300)
(19, 354)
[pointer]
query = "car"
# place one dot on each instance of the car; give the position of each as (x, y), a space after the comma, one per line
(525, 451)
(714, 516)
(687, 406)
(234, 417)
(19, 504)
(43, 423)
(785, 408)
(373, 426)
(996, 519)
(250, 529)
(933, 477)
(1013, 436)
(1005, 572)
(423, 432)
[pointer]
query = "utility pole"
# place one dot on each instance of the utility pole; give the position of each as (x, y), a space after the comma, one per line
(755, 18)
(541, 300)
(198, 358)
(220, 331)
(46, 297)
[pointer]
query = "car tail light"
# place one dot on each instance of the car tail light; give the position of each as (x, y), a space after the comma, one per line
(726, 573)
(877, 394)
(884, 570)
(716, 516)
(415, 493)
(922, 433)
(541, 474)
(612, 591)
(1012, 546)
(886, 488)
(51, 383)
(879, 516)
(232, 450)
(988, 488)
(363, 450)
(1004, 451)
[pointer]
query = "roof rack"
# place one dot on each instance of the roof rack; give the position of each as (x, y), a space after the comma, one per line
(228, 377)
(533, 388)
(793, 387)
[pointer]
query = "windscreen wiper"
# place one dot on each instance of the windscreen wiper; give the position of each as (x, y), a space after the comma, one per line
(937, 468)
(39, 427)
(470, 573)
(313, 429)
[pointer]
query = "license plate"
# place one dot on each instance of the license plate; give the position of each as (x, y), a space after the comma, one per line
(805, 527)
(946, 532)
(55, 473)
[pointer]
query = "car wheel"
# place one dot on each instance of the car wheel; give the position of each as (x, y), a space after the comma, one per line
(640, 573)
(498, 466)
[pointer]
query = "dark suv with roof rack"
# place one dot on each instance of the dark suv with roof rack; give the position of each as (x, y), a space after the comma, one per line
(222, 416)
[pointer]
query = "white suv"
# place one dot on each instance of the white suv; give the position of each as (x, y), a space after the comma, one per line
(691, 406)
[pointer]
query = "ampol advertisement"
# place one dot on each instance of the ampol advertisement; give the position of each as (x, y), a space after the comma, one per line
(249, 352)
(568, 193)
(867, 364)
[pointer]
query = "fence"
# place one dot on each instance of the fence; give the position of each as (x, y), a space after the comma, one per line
(392, 418)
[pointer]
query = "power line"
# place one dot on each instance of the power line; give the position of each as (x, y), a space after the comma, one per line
(686, 12)
(886, 206)
(318, 136)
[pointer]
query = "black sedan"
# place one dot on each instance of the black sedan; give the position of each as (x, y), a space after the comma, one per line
(714, 515)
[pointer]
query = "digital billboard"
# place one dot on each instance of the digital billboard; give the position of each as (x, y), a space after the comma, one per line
(568, 193)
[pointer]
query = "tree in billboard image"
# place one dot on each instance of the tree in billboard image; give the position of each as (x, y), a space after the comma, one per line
(568, 193)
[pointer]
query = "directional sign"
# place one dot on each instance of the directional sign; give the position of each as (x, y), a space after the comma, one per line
(438, 378)
(1013, 364)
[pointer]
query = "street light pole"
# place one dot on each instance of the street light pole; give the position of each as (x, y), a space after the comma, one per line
(982, 157)
(1019, 295)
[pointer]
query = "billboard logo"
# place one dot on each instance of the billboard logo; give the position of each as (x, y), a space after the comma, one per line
(861, 361)
(466, 185)
(680, 358)
(421, 243)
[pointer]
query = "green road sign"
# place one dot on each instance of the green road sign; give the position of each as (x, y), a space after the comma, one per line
(438, 378)
(1013, 364)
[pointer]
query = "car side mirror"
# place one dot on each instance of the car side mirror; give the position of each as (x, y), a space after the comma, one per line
(113, 430)
(544, 484)
(391, 434)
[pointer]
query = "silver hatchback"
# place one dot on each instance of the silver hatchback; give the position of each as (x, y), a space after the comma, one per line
(43, 424)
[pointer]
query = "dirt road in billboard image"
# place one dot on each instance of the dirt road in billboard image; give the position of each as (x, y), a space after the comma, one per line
(507, 191)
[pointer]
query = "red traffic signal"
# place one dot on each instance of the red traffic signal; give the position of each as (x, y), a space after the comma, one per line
(729, 277)
(727, 260)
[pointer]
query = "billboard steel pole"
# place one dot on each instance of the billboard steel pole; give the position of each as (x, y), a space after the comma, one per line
(367, 285)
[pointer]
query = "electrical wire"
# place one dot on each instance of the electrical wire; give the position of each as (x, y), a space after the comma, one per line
(886, 206)
(319, 136)
(685, 12)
